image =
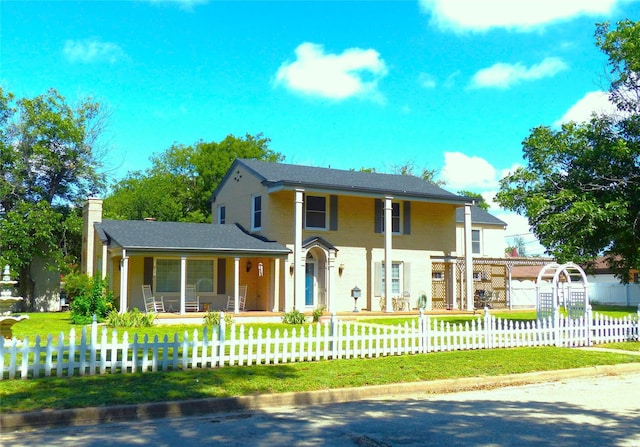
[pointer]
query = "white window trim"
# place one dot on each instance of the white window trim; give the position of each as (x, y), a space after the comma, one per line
(400, 217)
(400, 278)
(253, 212)
(326, 212)
(479, 241)
(220, 208)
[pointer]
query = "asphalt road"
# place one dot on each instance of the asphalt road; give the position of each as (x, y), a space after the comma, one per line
(595, 411)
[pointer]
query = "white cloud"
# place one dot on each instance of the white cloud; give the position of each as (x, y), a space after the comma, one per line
(183, 4)
(92, 50)
(593, 102)
(518, 227)
(521, 15)
(426, 80)
(461, 172)
(503, 75)
(354, 72)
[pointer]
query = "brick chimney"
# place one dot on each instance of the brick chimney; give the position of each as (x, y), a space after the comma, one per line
(91, 213)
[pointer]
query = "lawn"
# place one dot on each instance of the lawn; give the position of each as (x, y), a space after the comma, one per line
(79, 392)
(85, 391)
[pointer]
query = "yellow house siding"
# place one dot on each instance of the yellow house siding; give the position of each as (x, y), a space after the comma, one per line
(237, 195)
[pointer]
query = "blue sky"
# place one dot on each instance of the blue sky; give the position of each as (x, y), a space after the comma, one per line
(451, 85)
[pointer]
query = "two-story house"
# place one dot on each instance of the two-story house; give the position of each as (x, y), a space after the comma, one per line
(298, 237)
(343, 229)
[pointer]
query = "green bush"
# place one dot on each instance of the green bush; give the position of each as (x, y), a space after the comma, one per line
(294, 317)
(317, 313)
(76, 284)
(94, 300)
(213, 319)
(134, 318)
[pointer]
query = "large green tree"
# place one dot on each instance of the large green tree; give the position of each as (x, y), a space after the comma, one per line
(580, 188)
(179, 184)
(49, 165)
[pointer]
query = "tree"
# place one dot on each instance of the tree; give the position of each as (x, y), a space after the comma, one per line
(49, 165)
(426, 174)
(480, 202)
(519, 245)
(181, 180)
(580, 189)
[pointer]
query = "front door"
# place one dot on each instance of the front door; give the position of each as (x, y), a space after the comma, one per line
(310, 283)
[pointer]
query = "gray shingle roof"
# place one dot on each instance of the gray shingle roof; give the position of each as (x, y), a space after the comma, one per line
(479, 216)
(181, 236)
(289, 175)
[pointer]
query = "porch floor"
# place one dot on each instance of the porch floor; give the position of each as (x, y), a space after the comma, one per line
(258, 316)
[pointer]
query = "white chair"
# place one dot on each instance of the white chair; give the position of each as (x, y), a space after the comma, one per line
(191, 301)
(242, 299)
(151, 303)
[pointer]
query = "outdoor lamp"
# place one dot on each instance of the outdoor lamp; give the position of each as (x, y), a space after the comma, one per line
(248, 266)
(355, 294)
(340, 269)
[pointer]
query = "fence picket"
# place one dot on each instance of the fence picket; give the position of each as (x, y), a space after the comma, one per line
(93, 354)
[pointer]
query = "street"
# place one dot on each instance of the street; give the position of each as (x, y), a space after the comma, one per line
(596, 411)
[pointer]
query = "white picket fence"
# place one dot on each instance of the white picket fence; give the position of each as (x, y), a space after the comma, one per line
(99, 350)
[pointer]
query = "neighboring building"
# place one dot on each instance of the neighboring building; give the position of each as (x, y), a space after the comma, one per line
(304, 237)
(599, 272)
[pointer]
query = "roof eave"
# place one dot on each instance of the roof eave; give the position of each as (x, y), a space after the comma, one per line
(362, 192)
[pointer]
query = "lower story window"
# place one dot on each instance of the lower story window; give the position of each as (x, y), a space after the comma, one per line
(396, 279)
(199, 273)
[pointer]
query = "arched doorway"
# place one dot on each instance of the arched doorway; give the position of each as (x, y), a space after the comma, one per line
(315, 294)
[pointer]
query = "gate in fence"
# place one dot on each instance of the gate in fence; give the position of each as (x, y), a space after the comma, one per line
(561, 285)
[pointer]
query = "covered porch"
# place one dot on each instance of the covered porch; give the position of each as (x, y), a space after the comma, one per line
(171, 257)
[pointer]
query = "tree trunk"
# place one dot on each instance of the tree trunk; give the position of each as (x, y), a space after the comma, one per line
(26, 287)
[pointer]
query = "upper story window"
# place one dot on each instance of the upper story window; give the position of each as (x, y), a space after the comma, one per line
(256, 213)
(475, 242)
(222, 214)
(400, 217)
(316, 212)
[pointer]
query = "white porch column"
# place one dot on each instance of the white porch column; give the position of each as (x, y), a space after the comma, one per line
(183, 282)
(105, 261)
(331, 284)
(468, 257)
(452, 270)
(236, 285)
(388, 231)
(124, 281)
(298, 260)
(275, 284)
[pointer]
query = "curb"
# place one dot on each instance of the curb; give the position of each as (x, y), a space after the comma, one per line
(141, 412)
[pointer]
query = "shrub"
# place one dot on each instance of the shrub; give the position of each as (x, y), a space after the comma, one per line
(213, 318)
(76, 284)
(317, 313)
(134, 318)
(95, 300)
(294, 317)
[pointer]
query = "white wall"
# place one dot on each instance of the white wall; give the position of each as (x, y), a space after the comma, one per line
(523, 294)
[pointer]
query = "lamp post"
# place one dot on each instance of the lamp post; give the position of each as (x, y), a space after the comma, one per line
(355, 294)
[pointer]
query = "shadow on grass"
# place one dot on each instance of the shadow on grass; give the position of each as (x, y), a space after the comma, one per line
(125, 389)
(463, 421)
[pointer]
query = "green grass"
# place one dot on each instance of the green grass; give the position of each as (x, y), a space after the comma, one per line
(514, 315)
(79, 392)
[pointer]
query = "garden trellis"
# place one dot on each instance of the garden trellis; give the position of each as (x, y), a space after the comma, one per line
(100, 350)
